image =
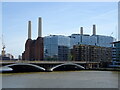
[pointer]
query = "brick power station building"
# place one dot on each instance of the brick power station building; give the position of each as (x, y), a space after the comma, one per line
(34, 49)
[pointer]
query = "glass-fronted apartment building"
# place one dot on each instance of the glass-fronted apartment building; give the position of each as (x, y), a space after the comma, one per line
(56, 47)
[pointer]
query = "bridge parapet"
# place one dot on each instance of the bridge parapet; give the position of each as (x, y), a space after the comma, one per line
(27, 61)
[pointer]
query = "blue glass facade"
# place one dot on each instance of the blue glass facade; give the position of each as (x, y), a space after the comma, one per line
(98, 40)
(51, 44)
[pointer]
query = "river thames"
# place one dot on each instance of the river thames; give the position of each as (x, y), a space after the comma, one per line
(61, 79)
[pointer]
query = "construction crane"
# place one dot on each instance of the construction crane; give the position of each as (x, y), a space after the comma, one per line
(3, 47)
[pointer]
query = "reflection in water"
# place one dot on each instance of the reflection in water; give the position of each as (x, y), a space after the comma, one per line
(69, 79)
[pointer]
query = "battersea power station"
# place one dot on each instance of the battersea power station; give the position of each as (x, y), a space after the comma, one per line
(77, 47)
(34, 48)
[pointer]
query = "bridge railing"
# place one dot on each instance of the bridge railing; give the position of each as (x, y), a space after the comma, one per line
(26, 61)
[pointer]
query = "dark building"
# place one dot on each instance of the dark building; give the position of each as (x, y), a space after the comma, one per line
(63, 53)
(92, 53)
(116, 51)
(34, 48)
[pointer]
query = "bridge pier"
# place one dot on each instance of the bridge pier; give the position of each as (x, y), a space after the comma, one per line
(92, 65)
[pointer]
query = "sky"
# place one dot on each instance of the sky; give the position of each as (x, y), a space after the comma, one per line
(58, 18)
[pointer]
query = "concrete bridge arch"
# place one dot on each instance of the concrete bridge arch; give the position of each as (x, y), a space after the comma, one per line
(25, 67)
(76, 66)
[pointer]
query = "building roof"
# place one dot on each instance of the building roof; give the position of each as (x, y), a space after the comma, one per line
(116, 42)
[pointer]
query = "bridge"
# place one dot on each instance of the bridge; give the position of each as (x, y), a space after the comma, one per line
(30, 66)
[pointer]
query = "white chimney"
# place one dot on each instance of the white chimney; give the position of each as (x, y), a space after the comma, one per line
(119, 21)
(94, 29)
(40, 27)
(29, 29)
(81, 30)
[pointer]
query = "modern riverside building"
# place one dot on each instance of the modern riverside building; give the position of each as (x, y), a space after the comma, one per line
(34, 48)
(116, 51)
(92, 53)
(56, 47)
(97, 40)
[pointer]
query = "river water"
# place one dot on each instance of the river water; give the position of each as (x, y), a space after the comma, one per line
(68, 79)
